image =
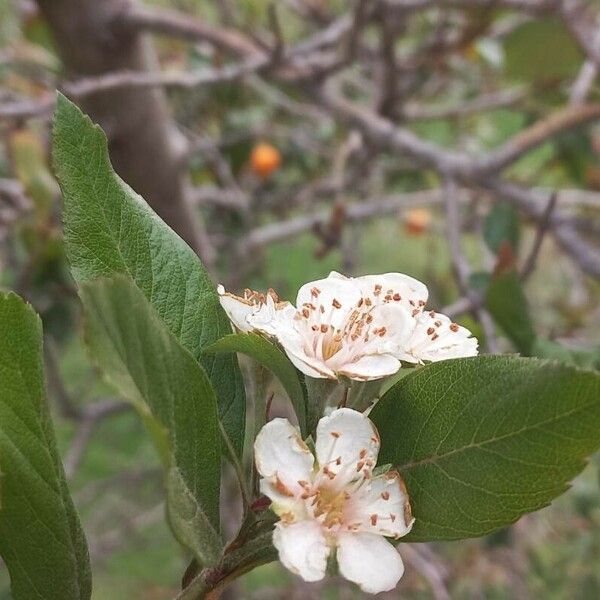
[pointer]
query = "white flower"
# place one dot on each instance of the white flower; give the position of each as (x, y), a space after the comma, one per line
(350, 327)
(436, 337)
(264, 309)
(360, 328)
(334, 504)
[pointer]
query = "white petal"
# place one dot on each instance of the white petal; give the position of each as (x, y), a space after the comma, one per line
(347, 444)
(302, 549)
(370, 561)
(381, 506)
(333, 297)
(282, 457)
(411, 292)
(268, 318)
(436, 338)
(374, 366)
(236, 308)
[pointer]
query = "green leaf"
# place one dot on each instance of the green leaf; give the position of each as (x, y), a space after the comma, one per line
(271, 357)
(109, 230)
(41, 540)
(172, 392)
(502, 226)
(508, 306)
(586, 359)
(541, 50)
(481, 441)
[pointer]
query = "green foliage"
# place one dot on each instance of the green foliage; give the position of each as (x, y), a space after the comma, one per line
(541, 50)
(110, 230)
(482, 441)
(149, 367)
(41, 540)
(502, 226)
(508, 306)
(270, 356)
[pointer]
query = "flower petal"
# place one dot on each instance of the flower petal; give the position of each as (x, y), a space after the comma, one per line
(395, 287)
(269, 317)
(436, 338)
(374, 366)
(370, 561)
(302, 549)
(333, 297)
(282, 458)
(236, 308)
(381, 506)
(347, 445)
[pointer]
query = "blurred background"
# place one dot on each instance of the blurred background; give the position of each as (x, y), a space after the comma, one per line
(457, 141)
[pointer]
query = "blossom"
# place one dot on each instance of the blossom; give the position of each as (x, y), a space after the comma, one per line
(334, 504)
(360, 328)
(350, 327)
(264, 309)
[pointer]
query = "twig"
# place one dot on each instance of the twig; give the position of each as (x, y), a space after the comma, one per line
(89, 419)
(428, 569)
(542, 228)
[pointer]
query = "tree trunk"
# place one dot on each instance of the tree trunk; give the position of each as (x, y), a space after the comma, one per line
(136, 121)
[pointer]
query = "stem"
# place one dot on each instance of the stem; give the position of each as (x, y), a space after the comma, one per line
(210, 582)
(237, 467)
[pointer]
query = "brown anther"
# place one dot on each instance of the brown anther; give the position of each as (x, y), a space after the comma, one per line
(328, 473)
(369, 319)
(336, 303)
(373, 520)
(360, 302)
(430, 331)
(434, 337)
(421, 302)
(315, 292)
(362, 453)
(385, 495)
(392, 517)
(377, 290)
(322, 309)
(305, 313)
(282, 488)
(335, 434)
(432, 313)
(338, 461)
(411, 302)
(360, 465)
(314, 327)
(397, 297)
(438, 323)
(415, 312)
(303, 483)
(368, 301)
(454, 327)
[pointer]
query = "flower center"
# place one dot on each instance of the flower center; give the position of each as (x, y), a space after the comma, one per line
(328, 506)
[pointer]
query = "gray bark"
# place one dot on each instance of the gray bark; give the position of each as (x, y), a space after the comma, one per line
(136, 121)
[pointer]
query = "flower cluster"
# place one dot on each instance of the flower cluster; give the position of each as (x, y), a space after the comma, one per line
(360, 328)
(334, 504)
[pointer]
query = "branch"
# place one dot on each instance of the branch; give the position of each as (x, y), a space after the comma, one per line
(540, 233)
(168, 22)
(89, 418)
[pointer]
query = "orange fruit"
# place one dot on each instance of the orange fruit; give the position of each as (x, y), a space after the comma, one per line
(265, 159)
(417, 221)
